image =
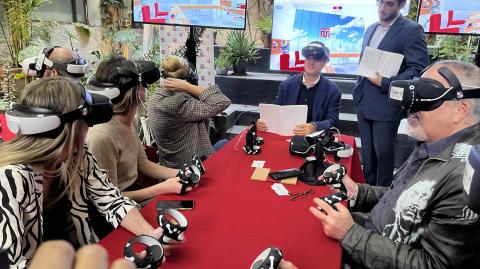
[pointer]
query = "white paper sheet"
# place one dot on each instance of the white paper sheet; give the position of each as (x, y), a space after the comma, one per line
(282, 119)
(384, 62)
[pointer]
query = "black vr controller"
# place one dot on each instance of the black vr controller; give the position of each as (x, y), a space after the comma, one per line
(334, 198)
(313, 167)
(269, 259)
(252, 141)
(171, 230)
(155, 252)
(190, 174)
(333, 175)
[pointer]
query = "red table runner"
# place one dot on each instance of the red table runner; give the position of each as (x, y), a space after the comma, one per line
(236, 218)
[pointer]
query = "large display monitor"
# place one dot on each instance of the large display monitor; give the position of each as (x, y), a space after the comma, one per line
(228, 14)
(339, 24)
(450, 16)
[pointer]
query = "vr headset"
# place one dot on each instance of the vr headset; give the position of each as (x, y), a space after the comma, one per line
(44, 122)
(149, 74)
(425, 94)
(316, 50)
(75, 68)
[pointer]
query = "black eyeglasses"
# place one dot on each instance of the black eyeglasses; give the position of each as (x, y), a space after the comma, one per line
(301, 195)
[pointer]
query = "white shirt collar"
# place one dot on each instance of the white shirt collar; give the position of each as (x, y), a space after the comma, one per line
(304, 82)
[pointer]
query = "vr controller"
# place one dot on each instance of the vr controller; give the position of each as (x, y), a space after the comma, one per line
(155, 252)
(269, 259)
(252, 141)
(190, 174)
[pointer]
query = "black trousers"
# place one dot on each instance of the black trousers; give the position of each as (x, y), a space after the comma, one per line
(378, 149)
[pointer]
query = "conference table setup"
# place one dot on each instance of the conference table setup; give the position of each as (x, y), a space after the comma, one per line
(235, 218)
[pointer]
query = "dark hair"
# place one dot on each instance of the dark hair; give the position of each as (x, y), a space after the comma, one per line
(107, 72)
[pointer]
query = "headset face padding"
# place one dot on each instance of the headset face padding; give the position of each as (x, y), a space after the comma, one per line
(44, 122)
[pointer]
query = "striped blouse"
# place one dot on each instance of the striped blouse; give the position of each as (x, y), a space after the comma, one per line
(21, 195)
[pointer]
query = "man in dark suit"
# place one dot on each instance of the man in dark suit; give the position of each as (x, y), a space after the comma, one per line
(310, 88)
(377, 119)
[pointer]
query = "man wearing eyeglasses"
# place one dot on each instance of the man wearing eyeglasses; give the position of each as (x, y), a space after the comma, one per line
(310, 88)
(377, 119)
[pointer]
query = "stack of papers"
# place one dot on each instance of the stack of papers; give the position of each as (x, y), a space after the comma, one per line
(282, 119)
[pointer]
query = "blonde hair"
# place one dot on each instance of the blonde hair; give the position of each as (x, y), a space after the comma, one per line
(175, 67)
(60, 156)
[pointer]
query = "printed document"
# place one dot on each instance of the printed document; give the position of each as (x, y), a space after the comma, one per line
(282, 119)
(384, 62)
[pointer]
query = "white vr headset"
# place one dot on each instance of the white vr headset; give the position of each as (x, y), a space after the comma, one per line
(45, 122)
(37, 65)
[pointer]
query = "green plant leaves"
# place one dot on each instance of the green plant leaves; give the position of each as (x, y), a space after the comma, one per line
(239, 46)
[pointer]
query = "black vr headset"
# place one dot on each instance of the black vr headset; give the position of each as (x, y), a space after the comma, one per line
(47, 123)
(149, 74)
(316, 50)
(425, 94)
(75, 68)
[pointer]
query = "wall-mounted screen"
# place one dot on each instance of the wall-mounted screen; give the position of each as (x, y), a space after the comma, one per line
(340, 25)
(200, 13)
(450, 16)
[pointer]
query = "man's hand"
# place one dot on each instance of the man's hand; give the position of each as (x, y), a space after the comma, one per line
(176, 85)
(376, 80)
(286, 265)
(304, 129)
(261, 125)
(335, 223)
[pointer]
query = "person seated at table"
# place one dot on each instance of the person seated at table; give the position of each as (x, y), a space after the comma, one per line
(423, 219)
(116, 144)
(179, 113)
(47, 175)
(311, 88)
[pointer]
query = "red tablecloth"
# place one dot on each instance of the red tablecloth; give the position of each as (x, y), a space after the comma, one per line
(5, 134)
(236, 218)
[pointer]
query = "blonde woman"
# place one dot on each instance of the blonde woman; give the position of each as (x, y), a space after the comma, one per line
(179, 112)
(47, 176)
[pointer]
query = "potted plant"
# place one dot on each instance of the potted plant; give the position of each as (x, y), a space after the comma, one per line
(222, 63)
(452, 47)
(19, 19)
(264, 24)
(240, 49)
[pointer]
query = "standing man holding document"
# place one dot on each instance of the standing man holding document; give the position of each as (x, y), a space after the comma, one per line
(310, 88)
(378, 120)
